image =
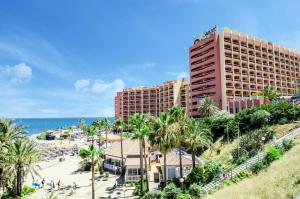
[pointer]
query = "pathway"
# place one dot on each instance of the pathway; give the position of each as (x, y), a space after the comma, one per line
(249, 162)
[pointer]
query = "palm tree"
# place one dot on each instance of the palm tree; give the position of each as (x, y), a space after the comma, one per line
(106, 125)
(179, 117)
(94, 156)
(98, 124)
(162, 138)
(9, 132)
(21, 155)
(138, 124)
(120, 125)
(270, 93)
(196, 137)
(208, 106)
(81, 122)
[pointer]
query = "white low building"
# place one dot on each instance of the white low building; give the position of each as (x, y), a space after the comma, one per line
(173, 165)
(131, 158)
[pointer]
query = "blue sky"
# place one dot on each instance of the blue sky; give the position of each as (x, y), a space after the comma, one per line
(68, 58)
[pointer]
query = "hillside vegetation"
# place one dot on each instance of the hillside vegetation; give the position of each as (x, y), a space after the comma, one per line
(281, 180)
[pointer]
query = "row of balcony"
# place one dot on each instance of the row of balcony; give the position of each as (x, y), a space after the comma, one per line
(237, 43)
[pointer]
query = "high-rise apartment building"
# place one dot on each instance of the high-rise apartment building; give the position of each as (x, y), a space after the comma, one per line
(153, 100)
(231, 66)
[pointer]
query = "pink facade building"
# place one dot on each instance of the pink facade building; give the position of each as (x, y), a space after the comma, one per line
(231, 67)
(152, 100)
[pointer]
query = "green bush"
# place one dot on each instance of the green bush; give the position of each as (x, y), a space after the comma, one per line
(153, 195)
(257, 166)
(252, 143)
(27, 190)
(137, 189)
(272, 154)
(287, 145)
(183, 196)
(259, 118)
(203, 174)
(283, 121)
(41, 136)
(196, 191)
(171, 191)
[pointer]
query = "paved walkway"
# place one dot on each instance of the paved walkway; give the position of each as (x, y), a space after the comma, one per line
(249, 162)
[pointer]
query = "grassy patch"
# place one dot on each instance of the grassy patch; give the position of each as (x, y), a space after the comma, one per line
(280, 180)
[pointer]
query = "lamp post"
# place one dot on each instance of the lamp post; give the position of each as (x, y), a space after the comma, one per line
(238, 140)
(181, 180)
(231, 158)
(263, 142)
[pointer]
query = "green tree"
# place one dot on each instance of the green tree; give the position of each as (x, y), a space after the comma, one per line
(207, 106)
(107, 126)
(93, 155)
(162, 138)
(99, 125)
(21, 156)
(9, 132)
(138, 125)
(179, 117)
(197, 137)
(120, 125)
(270, 93)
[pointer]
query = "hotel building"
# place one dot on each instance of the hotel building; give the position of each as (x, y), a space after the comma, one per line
(231, 66)
(152, 100)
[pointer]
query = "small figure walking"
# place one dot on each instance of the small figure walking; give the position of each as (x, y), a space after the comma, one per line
(58, 185)
(43, 183)
(74, 187)
(52, 185)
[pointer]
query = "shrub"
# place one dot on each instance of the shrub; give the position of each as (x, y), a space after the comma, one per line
(183, 196)
(196, 176)
(203, 174)
(196, 191)
(259, 118)
(171, 191)
(252, 143)
(272, 154)
(106, 174)
(211, 170)
(287, 145)
(257, 166)
(27, 190)
(283, 121)
(153, 195)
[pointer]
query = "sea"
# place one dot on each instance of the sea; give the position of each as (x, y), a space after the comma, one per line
(37, 125)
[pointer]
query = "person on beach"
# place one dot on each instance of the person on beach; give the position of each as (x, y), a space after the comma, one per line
(43, 183)
(58, 185)
(74, 187)
(52, 185)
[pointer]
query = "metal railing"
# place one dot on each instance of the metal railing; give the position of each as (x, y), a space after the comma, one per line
(249, 162)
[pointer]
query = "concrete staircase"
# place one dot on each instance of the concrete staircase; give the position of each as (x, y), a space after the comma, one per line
(249, 162)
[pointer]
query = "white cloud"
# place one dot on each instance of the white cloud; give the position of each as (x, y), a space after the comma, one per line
(102, 87)
(81, 85)
(179, 75)
(97, 87)
(19, 73)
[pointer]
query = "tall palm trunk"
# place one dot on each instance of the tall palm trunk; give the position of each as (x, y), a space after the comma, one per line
(106, 138)
(194, 158)
(141, 167)
(146, 169)
(99, 139)
(122, 155)
(180, 161)
(19, 180)
(165, 169)
(93, 178)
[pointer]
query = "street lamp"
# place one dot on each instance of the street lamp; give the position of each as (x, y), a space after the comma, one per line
(231, 158)
(181, 180)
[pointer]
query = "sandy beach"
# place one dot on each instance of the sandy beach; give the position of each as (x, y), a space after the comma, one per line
(68, 171)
